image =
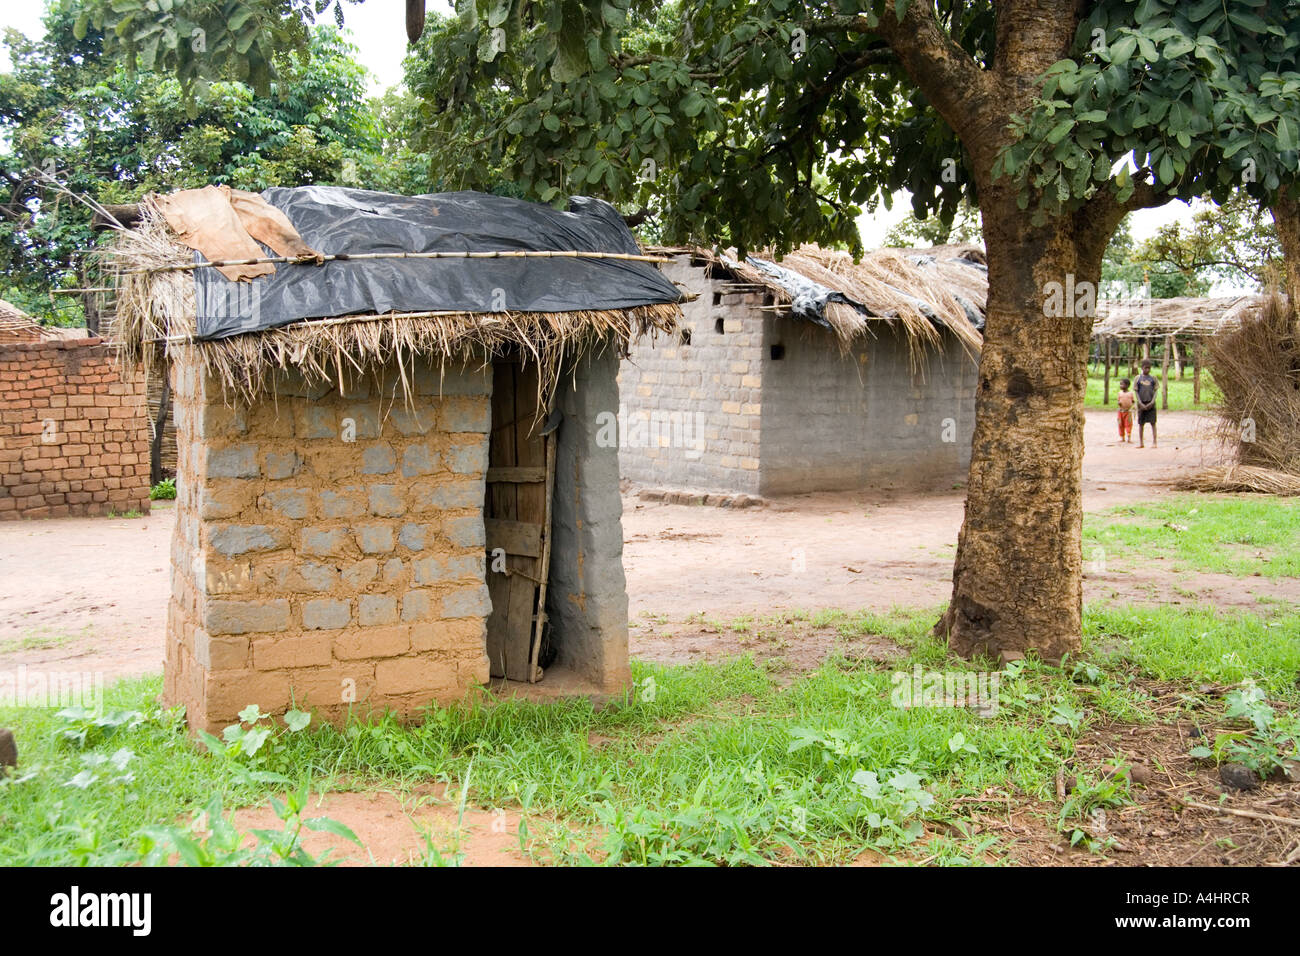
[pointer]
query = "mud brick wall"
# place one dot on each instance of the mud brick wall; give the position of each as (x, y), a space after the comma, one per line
(327, 572)
(785, 410)
(74, 439)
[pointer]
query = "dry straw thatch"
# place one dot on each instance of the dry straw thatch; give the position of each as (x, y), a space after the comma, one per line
(1136, 318)
(156, 319)
(1257, 369)
(894, 285)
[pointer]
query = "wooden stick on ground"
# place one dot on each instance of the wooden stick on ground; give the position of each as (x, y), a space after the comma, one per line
(1250, 814)
(545, 569)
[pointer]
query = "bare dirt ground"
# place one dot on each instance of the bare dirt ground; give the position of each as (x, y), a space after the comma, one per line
(90, 594)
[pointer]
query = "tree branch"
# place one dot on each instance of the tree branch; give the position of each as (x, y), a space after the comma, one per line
(948, 76)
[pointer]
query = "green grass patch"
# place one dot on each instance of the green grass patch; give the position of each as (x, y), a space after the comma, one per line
(711, 763)
(1241, 535)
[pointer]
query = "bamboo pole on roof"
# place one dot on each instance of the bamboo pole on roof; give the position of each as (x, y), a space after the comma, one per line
(365, 256)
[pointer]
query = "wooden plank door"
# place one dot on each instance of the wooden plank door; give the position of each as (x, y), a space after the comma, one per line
(515, 518)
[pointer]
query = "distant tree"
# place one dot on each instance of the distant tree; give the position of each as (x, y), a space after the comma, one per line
(1128, 271)
(1236, 242)
(934, 231)
(114, 133)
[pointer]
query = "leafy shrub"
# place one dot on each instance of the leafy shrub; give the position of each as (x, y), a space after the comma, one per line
(165, 490)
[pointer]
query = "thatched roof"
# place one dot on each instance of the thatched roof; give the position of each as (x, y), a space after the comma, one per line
(1135, 318)
(924, 290)
(156, 317)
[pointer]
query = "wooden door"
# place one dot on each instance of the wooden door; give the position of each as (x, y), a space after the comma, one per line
(515, 518)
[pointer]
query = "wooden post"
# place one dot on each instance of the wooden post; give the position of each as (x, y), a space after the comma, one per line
(89, 302)
(1105, 380)
(1164, 374)
(159, 428)
(1199, 357)
(1178, 357)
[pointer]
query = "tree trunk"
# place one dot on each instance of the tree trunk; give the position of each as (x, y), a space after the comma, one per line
(1286, 217)
(1018, 578)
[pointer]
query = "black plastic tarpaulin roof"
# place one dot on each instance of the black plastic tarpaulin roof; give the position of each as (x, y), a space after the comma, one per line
(335, 220)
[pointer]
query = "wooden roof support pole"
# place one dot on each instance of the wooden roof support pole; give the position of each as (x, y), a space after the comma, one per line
(1105, 376)
(1164, 373)
(1199, 358)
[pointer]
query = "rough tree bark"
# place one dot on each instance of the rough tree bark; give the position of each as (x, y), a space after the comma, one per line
(1286, 217)
(1018, 577)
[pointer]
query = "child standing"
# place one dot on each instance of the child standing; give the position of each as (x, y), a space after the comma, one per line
(1145, 389)
(1125, 402)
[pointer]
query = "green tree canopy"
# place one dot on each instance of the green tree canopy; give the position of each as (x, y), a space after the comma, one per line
(113, 134)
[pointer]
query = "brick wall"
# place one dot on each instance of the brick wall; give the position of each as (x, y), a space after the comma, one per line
(73, 435)
(327, 571)
(812, 419)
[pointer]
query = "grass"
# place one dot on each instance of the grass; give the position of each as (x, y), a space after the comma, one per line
(41, 638)
(713, 763)
(1180, 391)
(1238, 535)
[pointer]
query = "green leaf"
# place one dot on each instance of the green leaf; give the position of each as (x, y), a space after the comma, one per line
(1057, 133)
(297, 720)
(1247, 21)
(1122, 49)
(326, 825)
(1286, 134)
(1166, 171)
(692, 104)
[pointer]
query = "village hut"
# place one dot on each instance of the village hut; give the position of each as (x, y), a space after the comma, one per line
(1173, 333)
(814, 373)
(391, 486)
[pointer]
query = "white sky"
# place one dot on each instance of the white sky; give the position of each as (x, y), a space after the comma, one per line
(378, 28)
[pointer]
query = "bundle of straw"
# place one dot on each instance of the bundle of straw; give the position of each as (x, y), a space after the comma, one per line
(1238, 478)
(1257, 369)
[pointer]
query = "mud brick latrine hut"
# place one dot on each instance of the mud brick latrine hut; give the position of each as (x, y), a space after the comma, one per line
(390, 484)
(812, 374)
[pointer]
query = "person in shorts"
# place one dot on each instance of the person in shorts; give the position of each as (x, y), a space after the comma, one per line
(1145, 389)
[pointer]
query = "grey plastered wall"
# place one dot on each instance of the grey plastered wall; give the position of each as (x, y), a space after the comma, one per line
(690, 412)
(813, 420)
(835, 421)
(586, 599)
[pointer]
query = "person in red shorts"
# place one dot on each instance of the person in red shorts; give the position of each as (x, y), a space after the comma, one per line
(1125, 402)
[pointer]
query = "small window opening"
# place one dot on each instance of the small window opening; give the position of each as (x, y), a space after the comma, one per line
(717, 326)
(717, 298)
(685, 337)
(778, 352)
